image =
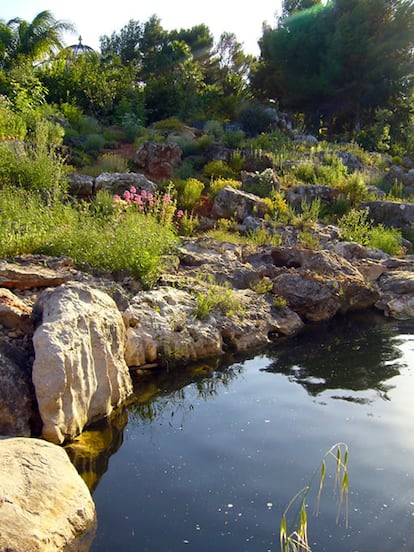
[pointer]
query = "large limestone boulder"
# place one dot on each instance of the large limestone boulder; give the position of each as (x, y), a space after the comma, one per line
(391, 213)
(81, 185)
(117, 183)
(44, 504)
(163, 326)
(231, 203)
(79, 372)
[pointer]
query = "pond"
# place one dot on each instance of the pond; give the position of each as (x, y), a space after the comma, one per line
(209, 456)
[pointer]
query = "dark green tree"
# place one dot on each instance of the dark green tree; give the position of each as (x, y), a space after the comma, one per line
(340, 63)
(125, 44)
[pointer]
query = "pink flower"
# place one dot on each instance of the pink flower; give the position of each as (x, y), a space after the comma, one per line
(127, 194)
(117, 198)
(138, 200)
(143, 193)
(133, 190)
(180, 213)
(167, 199)
(150, 197)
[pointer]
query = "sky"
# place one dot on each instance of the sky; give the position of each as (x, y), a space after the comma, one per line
(93, 19)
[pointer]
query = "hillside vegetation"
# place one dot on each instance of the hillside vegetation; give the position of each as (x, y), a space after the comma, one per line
(333, 82)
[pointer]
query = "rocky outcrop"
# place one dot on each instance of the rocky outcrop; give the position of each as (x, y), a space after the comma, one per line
(16, 392)
(83, 186)
(231, 203)
(308, 193)
(397, 299)
(14, 313)
(44, 506)
(117, 183)
(391, 214)
(403, 176)
(79, 372)
(158, 159)
(260, 183)
(162, 325)
(28, 274)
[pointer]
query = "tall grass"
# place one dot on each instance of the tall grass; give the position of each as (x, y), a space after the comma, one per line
(295, 537)
(127, 242)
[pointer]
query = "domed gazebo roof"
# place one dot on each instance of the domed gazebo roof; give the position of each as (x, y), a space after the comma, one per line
(80, 49)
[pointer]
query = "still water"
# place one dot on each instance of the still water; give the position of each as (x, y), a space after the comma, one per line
(208, 458)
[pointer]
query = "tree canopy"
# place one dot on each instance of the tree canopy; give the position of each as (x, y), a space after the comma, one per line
(33, 40)
(341, 62)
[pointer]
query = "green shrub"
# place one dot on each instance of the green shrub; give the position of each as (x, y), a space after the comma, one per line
(188, 224)
(263, 236)
(107, 162)
(171, 124)
(355, 188)
(189, 193)
(94, 143)
(386, 239)
(308, 240)
(214, 129)
(131, 125)
(32, 167)
(12, 125)
(127, 241)
(217, 298)
(218, 169)
(262, 286)
(233, 138)
(217, 185)
(355, 226)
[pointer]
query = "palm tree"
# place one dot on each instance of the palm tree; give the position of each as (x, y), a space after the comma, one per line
(35, 40)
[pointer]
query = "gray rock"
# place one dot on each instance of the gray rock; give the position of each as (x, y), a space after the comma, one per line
(81, 185)
(391, 214)
(296, 195)
(163, 327)
(236, 204)
(16, 393)
(117, 183)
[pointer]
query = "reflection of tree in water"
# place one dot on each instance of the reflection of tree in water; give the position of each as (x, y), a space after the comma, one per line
(164, 394)
(355, 352)
(90, 452)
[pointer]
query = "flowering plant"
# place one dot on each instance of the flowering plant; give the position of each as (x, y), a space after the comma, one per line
(161, 206)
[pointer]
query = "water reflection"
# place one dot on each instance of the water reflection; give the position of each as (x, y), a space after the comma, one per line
(164, 392)
(349, 354)
(91, 451)
(352, 353)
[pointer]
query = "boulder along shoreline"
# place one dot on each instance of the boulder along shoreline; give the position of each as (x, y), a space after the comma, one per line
(69, 342)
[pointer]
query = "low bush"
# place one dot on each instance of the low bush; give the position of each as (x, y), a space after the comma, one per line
(218, 169)
(126, 240)
(217, 298)
(218, 184)
(32, 166)
(356, 226)
(189, 193)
